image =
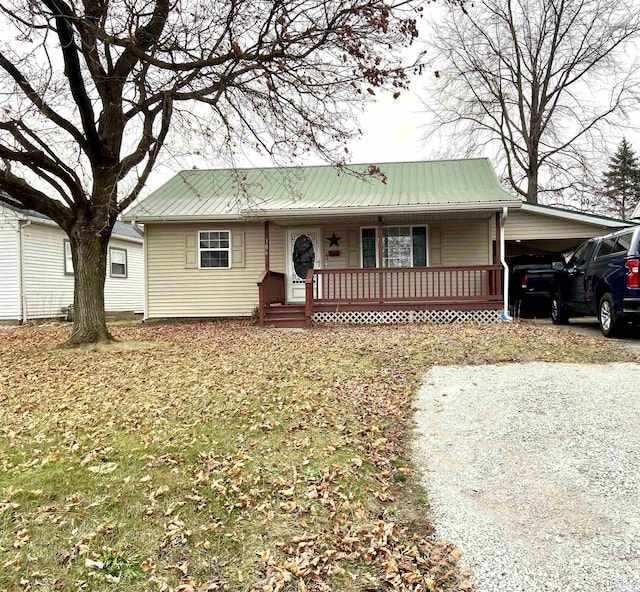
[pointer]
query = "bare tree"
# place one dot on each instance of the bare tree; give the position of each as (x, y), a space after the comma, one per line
(94, 89)
(534, 82)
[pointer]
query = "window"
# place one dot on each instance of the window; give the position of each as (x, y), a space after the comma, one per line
(214, 249)
(583, 254)
(118, 259)
(606, 246)
(68, 259)
(402, 246)
(624, 242)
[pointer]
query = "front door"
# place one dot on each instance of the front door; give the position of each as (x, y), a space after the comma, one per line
(304, 246)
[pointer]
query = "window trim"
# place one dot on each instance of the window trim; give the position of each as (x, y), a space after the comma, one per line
(126, 263)
(411, 227)
(67, 258)
(228, 250)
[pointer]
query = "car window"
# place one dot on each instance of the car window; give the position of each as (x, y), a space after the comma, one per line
(606, 247)
(583, 254)
(577, 255)
(624, 242)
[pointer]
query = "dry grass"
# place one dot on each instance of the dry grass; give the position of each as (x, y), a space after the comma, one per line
(214, 456)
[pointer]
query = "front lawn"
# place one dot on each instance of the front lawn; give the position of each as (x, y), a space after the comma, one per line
(215, 456)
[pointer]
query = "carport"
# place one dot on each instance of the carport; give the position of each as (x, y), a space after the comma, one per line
(539, 230)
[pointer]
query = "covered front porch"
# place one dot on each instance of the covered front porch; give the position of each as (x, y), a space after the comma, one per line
(320, 284)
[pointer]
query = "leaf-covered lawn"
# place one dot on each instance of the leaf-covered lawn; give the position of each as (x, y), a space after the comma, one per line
(222, 455)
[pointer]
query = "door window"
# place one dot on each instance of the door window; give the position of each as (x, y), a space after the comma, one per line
(583, 254)
(303, 256)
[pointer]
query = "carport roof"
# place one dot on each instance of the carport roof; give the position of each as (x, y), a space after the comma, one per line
(577, 216)
(427, 186)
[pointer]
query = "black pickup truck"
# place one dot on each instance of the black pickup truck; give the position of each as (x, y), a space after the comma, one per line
(530, 281)
(601, 278)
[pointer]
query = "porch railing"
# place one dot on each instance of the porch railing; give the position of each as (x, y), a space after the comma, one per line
(271, 290)
(461, 284)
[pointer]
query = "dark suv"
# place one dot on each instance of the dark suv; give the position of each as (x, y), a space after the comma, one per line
(602, 279)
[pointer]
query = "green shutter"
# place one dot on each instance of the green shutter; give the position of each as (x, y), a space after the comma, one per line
(419, 239)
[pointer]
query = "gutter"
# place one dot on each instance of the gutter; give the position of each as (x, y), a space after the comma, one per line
(506, 316)
(51, 223)
(338, 211)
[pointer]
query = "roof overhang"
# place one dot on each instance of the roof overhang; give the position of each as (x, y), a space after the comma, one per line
(51, 223)
(299, 213)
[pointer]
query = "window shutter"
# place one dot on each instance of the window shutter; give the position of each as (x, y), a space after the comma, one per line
(435, 245)
(191, 251)
(353, 248)
(237, 249)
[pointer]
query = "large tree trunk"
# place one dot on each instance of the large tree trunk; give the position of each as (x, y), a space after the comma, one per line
(89, 251)
(532, 185)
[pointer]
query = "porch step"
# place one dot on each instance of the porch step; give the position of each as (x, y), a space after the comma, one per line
(288, 315)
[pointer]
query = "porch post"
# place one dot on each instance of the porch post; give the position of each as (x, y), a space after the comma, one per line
(266, 245)
(380, 275)
(497, 253)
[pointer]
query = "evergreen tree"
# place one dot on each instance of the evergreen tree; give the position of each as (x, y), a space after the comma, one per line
(622, 183)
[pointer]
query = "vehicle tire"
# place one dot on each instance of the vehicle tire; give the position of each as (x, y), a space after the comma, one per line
(609, 323)
(559, 315)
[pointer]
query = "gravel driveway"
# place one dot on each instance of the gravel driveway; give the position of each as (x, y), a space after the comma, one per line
(533, 472)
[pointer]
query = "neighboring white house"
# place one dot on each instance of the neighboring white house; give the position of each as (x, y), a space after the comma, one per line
(36, 270)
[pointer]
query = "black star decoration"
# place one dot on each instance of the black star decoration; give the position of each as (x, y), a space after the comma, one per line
(334, 241)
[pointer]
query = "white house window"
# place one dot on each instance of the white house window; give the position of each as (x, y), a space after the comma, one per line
(214, 249)
(118, 258)
(402, 246)
(68, 259)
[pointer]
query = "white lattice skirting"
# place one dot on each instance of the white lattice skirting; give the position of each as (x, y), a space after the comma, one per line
(387, 317)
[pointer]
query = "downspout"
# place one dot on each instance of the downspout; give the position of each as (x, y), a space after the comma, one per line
(145, 256)
(23, 299)
(505, 312)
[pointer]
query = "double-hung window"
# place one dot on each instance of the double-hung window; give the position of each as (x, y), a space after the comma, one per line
(68, 259)
(214, 249)
(118, 258)
(402, 246)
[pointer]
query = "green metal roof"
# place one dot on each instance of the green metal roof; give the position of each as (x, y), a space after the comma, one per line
(236, 193)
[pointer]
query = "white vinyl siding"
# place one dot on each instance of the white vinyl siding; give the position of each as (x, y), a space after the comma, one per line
(47, 288)
(125, 294)
(177, 288)
(9, 269)
(48, 282)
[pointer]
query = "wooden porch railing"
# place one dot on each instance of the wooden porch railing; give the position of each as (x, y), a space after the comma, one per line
(271, 290)
(411, 285)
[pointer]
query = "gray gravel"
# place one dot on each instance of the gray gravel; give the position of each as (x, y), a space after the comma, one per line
(533, 472)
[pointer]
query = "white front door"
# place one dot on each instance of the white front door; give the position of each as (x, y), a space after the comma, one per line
(304, 252)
